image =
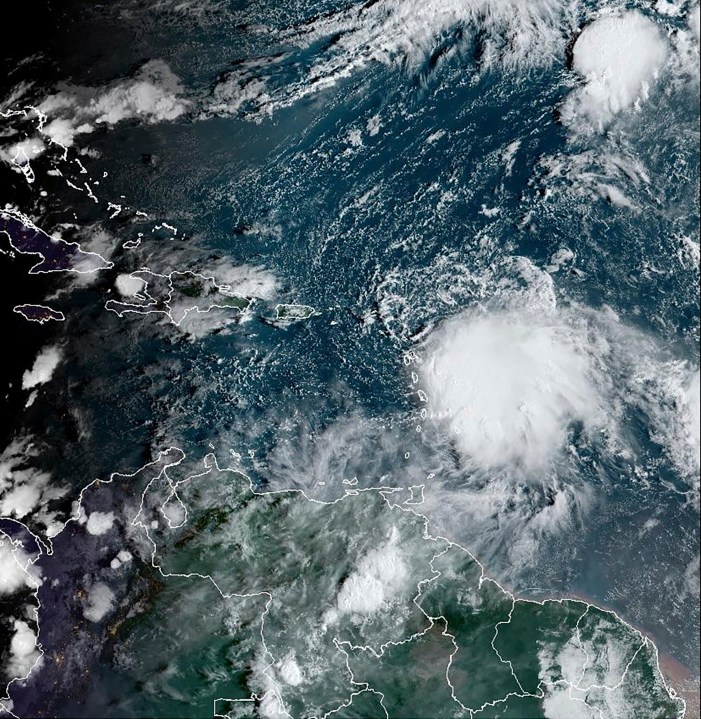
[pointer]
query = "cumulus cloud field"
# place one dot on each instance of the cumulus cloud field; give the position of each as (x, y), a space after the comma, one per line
(152, 95)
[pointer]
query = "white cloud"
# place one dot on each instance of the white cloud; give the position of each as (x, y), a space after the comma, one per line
(692, 581)
(271, 705)
(618, 57)
(22, 152)
(220, 301)
(694, 22)
(664, 7)
(25, 489)
(100, 602)
(290, 673)
(377, 580)
(561, 665)
(594, 174)
(23, 651)
(174, 511)
(129, 285)
(43, 368)
(512, 33)
(684, 60)
(509, 381)
(21, 499)
(245, 280)
(153, 95)
(580, 374)
(100, 522)
(562, 257)
(197, 324)
(124, 557)
(558, 704)
(670, 394)
(509, 384)
(12, 576)
(319, 459)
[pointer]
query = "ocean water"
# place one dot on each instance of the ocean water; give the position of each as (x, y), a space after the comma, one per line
(413, 430)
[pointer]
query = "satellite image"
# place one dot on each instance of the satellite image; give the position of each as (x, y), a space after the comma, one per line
(352, 363)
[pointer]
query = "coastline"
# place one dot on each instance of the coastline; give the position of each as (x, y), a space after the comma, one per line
(676, 674)
(679, 677)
